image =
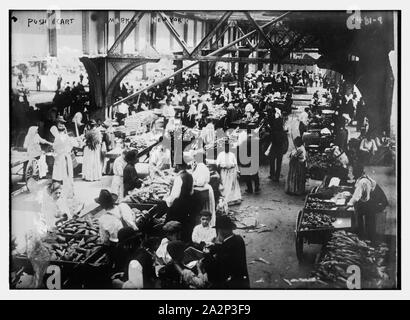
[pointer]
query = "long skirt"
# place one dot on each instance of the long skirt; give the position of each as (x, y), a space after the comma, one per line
(117, 186)
(295, 184)
(92, 169)
(63, 172)
(232, 190)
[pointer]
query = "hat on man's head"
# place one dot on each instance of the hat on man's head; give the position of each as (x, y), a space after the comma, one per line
(172, 227)
(224, 223)
(60, 119)
(106, 198)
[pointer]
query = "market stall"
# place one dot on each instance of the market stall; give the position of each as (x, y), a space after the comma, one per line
(323, 213)
(75, 247)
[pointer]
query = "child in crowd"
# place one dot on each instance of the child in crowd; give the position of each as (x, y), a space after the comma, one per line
(203, 233)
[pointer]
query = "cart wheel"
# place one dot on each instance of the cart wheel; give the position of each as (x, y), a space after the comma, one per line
(32, 175)
(299, 239)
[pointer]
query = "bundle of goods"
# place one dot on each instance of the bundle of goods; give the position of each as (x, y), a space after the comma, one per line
(153, 189)
(218, 113)
(345, 249)
(318, 204)
(139, 142)
(315, 220)
(140, 121)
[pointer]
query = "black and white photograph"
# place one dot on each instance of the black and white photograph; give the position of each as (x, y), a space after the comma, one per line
(204, 149)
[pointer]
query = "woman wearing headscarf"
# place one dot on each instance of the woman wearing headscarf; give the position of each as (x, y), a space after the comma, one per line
(228, 166)
(117, 185)
(92, 166)
(63, 165)
(202, 176)
(32, 144)
(295, 184)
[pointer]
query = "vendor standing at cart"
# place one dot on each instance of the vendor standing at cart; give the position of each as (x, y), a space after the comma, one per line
(340, 168)
(369, 200)
(63, 164)
(122, 112)
(117, 185)
(130, 175)
(32, 144)
(182, 202)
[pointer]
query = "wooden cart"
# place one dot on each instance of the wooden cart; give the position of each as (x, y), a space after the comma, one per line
(321, 235)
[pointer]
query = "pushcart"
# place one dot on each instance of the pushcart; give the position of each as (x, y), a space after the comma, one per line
(22, 165)
(344, 220)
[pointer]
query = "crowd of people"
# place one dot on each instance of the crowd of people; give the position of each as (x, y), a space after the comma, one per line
(191, 220)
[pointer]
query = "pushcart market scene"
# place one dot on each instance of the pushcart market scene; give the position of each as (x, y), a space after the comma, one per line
(204, 149)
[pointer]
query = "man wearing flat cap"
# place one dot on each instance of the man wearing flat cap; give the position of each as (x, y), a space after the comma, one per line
(172, 231)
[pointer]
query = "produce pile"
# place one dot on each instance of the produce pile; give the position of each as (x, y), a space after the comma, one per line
(76, 240)
(218, 113)
(345, 249)
(79, 227)
(316, 220)
(154, 188)
(139, 143)
(319, 160)
(317, 204)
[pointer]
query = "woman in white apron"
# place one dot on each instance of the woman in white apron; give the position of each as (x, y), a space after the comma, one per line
(63, 164)
(117, 186)
(228, 165)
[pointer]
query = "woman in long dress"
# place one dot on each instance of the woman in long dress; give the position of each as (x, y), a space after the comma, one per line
(92, 167)
(117, 186)
(295, 184)
(228, 165)
(32, 144)
(63, 164)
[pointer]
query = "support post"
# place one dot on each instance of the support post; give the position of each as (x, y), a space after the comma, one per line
(85, 31)
(52, 36)
(203, 76)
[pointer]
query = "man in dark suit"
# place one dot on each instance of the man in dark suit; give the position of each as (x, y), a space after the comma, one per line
(231, 271)
(279, 146)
